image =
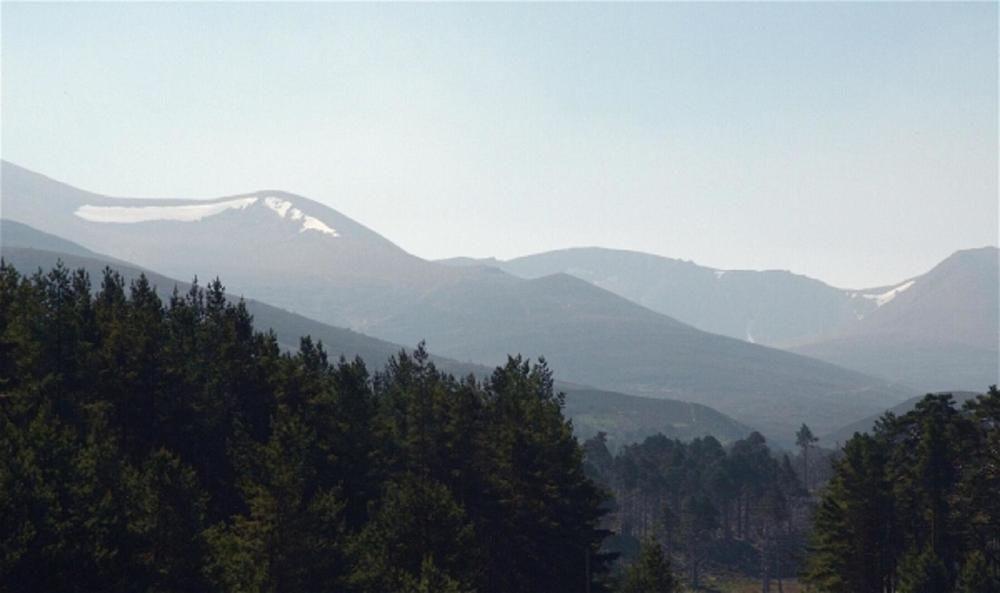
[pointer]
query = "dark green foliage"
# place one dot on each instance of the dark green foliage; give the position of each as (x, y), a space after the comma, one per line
(912, 508)
(923, 571)
(165, 513)
(854, 523)
(710, 507)
(650, 573)
(419, 532)
(151, 446)
(976, 576)
(805, 440)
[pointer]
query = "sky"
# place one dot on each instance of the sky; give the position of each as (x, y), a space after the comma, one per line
(853, 142)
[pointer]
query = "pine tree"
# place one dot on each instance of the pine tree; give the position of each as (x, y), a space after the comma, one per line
(650, 573)
(541, 532)
(698, 522)
(165, 510)
(853, 528)
(418, 534)
(291, 540)
(976, 576)
(805, 440)
(980, 477)
(923, 571)
(152, 447)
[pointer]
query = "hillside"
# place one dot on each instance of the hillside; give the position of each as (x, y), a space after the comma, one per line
(767, 307)
(843, 434)
(625, 418)
(934, 331)
(305, 257)
(940, 331)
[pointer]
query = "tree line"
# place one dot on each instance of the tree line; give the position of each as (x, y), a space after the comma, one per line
(914, 507)
(151, 446)
(169, 446)
(738, 509)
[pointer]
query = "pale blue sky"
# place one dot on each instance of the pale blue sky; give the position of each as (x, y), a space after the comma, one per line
(856, 143)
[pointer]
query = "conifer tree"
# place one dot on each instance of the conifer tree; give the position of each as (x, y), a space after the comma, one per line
(923, 571)
(853, 526)
(651, 572)
(418, 535)
(975, 576)
(805, 440)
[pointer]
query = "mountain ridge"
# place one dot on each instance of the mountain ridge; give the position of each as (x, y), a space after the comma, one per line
(591, 335)
(804, 315)
(625, 418)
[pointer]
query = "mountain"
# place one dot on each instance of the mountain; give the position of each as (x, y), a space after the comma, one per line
(625, 418)
(284, 249)
(844, 433)
(470, 262)
(303, 256)
(15, 234)
(938, 331)
(769, 307)
(598, 338)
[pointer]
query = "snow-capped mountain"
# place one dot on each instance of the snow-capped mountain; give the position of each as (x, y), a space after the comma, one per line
(283, 248)
(305, 257)
(282, 207)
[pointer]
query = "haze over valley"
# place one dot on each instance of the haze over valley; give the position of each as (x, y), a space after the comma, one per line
(304, 257)
(538, 297)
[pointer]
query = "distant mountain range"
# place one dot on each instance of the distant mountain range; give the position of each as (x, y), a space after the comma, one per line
(305, 257)
(771, 308)
(624, 418)
(934, 332)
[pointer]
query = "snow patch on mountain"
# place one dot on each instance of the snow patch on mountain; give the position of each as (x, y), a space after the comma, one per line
(184, 213)
(196, 212)
(719, 274)
(285, 208)
(887, 296)
(314, 224)
(883, 298)
(278, 205)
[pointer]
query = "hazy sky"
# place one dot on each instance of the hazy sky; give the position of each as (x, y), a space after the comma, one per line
(856, 143)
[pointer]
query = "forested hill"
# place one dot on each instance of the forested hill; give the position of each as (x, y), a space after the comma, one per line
(624, 418)
(170, 447)
(838, 437)
(287, 326)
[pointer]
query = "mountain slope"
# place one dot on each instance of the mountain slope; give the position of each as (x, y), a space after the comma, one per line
(613, 343)
(303, 256)
(15, 234)
(939, 331)
(288, 327)
(843, 434)
(285, 249)
(936, 331)
(624, 418)
(769, 307)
